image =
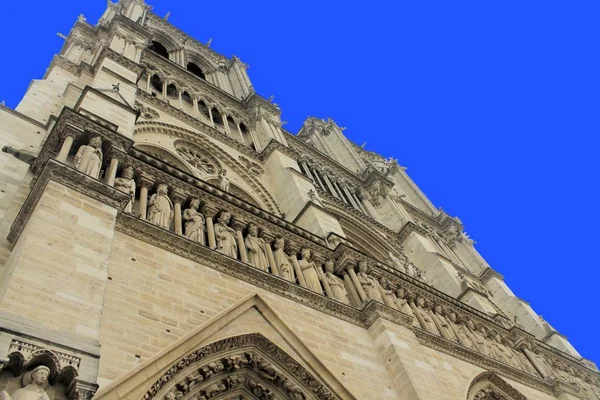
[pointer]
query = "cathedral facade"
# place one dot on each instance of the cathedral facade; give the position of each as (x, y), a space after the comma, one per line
(164, 237)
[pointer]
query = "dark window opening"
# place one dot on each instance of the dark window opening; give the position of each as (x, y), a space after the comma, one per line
(217, 119)
(156, 83)
(172, 91)
(196, 70)
(187, 98)
(159, 49)
(203, 109)
(243, 128)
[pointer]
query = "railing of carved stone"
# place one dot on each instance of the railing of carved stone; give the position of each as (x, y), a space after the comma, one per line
(171, 200)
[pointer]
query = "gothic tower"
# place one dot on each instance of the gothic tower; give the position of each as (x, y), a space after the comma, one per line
(164, 237)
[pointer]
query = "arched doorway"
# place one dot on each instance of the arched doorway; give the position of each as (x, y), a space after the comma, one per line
(489, 386)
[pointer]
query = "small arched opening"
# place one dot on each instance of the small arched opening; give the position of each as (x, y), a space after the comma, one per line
(203, 108)
(157, 84)
(217, 119)
(172, 92)
(159, 49)
(196, 70)
(187, 103)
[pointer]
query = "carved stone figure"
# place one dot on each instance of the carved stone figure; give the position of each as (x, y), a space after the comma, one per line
(257, 253)
(34, 383)
(368, 282)
(497, 349)
(225, 236)
(215, 389)
(126, 184)
(443, 325)
(461, 331)
(422, 313)
(478, 338)
(338, 288)
(89, 158)
(223, 181)
(160, 207)
(403, 304)
(387, 294)
(309, 270)
(284, 264)
(194, 223)
(396, 262)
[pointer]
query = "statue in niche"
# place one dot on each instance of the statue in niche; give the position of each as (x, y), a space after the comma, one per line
(387, 294)
(194, 223)
(89, 158)
(460, 330)
(34, 385)
(368, 282)
(497, 350)
(223, 181)
(338, 288)
(225, 236)
(257, 251)
(160, 207)
(284, 264)
(478, 338)
(396, 262)
(126, 184)
(403, 305)
(422, 313)
(443, 324)
(309, 270)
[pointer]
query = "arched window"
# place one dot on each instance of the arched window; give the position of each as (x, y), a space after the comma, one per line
(172, 91)
(187, 98)
(159, 49)
(156, 83)
(187, 103)
(489, 386)
(196, 70)
(243, 128)
(217, 119)
(203, 109)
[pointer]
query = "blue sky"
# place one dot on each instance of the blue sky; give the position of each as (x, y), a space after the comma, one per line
(492, 106)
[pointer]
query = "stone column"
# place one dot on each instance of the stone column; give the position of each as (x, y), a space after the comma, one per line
(209, 214)
(239, 226)
(308, 173)
(180, 101)
(298, 271)
(144, 183)
(323, 280)
(148, 83)
(351, 288)
(196, 109)
(341, 194)
(65, 149)
(164, 93)
(345, 189)
(239, 130)
(112, 172)
(357, 285)
(330, 186)
(226, 124)
(270, 255)
(536, 363)
(212, 121)
(318, 178)
(178, 199)
(360, 204)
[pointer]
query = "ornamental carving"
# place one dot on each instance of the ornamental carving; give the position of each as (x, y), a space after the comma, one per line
(197, 158)
(146, 112)
(259, 367)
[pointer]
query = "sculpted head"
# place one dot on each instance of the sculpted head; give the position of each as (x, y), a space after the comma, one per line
(421, 301)
(253, 230)
(438, 309)
(329, 266)
(383, 282)
(225, 217)
(95, 142)
(40, 375)
(470, 325)
(453, 317)
(279, 243)
(363, 267)
(128, 173)
(195, 203)
(162, 189)
(401, 292)
(305, 253)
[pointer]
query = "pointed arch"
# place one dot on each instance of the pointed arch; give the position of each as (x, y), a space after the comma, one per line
(165, 155)
(489, 386)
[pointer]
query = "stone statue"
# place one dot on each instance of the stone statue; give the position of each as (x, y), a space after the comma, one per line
(34, 384)
(257, 251)
(396, 262)
(368, 283)
(422, 313)
(387, 294)
(89, 158)
(403, 305)
(194, 223)
(160, 207)
(126, 184)
(223, 181)
(309, 270)
(443, 324)
(338, 288)
(225, 236)
(460, 330)
(498, 351)
(478, 338)
(284, 264)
